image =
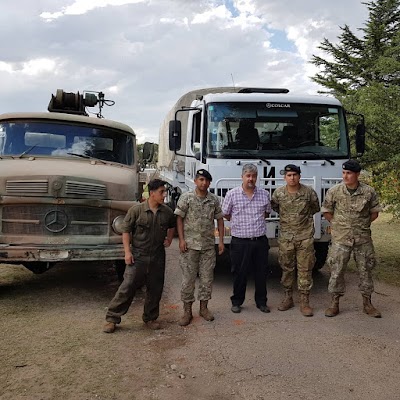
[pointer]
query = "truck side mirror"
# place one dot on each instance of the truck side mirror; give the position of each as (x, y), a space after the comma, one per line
(360, 139)
(148, 151)
(175, 135)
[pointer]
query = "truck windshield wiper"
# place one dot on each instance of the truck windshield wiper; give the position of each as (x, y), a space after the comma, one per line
(246, 152)
(87, 157)
(318, 155)
(27, 151)
(79, 155)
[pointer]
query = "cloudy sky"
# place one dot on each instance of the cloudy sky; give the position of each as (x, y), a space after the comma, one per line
(145, 54)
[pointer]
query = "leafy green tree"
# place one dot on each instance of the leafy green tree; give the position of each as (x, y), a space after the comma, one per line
(364, 73)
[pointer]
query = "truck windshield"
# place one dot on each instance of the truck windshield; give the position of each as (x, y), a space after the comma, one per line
(293, 131)
(53, 139)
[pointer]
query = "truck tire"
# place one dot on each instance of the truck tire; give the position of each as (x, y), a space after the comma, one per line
(321, 252)
(38, 267)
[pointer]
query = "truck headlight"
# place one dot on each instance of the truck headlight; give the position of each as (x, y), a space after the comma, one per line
(117, 224)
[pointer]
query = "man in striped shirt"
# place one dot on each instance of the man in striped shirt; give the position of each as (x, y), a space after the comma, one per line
(246, 207)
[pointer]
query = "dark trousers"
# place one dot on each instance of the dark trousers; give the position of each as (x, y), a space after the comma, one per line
(149, 271)
(247, 255)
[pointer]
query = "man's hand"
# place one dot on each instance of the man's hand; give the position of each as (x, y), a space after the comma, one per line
(182, 246)
(167, 242)
(129, 260)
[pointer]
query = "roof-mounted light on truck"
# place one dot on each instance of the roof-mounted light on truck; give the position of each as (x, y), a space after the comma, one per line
(263, 90)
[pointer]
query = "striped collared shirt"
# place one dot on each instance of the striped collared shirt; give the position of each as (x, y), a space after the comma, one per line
(247, 214)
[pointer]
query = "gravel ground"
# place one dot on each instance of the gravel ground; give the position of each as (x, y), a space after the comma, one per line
(52, 345)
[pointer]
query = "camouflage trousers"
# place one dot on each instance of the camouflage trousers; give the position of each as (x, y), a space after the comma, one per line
(300, 254)
(339, 256)
(195, 263)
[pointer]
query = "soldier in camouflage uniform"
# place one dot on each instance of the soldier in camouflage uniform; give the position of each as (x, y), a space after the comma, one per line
(196, 211)
(350, 207)
(296, 205)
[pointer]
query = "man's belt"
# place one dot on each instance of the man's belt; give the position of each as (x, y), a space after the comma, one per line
(252, 238)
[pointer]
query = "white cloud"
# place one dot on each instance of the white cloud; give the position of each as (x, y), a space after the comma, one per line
(83, 6)
(145, 54)
(38, 66)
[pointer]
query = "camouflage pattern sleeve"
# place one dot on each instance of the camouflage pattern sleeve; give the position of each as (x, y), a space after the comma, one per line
(183, 205)
(314, 205)
(275, 202)
(218, 210)
(328, 204)
(375, 206)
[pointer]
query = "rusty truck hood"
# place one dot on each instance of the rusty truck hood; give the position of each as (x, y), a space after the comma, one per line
(67, 178)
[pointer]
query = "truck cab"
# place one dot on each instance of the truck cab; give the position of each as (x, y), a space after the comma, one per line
(66, 182)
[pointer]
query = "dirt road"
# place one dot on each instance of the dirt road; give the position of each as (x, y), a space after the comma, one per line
(52, 345)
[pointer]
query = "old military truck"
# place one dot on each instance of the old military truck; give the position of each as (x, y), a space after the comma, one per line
(66, 182)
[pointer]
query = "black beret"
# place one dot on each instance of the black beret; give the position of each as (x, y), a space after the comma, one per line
(352, 165)
(205, 173)
(292, 168)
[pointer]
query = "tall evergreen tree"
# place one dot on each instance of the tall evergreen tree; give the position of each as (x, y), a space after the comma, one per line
(364, 73)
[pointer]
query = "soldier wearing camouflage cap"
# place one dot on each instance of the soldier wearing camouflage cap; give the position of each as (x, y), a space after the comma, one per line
(296, 204)
(196, 211)
(350, 207)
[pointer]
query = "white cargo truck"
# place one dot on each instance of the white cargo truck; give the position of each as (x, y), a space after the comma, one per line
(221, 129)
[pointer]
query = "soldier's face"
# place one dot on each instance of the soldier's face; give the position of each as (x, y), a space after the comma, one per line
(202, 183)
(350, 178)
(292, 178)
(249, 180)
(159, 194)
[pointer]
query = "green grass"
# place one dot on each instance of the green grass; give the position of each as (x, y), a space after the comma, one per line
(386, 237)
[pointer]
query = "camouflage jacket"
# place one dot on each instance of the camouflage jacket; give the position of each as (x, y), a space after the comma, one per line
(198, 215)
(296, 212)
(351, 213)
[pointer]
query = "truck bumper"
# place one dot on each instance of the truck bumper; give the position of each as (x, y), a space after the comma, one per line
(18, 254)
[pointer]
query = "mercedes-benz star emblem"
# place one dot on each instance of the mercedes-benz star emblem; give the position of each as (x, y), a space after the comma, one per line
(55, 221)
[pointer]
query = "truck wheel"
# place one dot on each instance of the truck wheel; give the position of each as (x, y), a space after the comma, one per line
(321, 252)
(38, 267)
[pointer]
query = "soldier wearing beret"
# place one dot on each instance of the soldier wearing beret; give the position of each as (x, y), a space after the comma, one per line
(296, 205)
(196, 211)
(350, 207)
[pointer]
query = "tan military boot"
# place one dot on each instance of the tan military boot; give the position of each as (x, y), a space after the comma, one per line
(305, 308)
(333, 309)
(187, 314)
(109, 327)
(369, 309)
(205, 312)
(287, 301)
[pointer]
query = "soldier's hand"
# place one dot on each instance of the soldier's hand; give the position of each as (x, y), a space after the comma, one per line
(182, 246)
(221, 248)
(129, 260)
(167, 242)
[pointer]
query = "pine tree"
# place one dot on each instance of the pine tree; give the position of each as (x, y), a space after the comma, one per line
(364, 73)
